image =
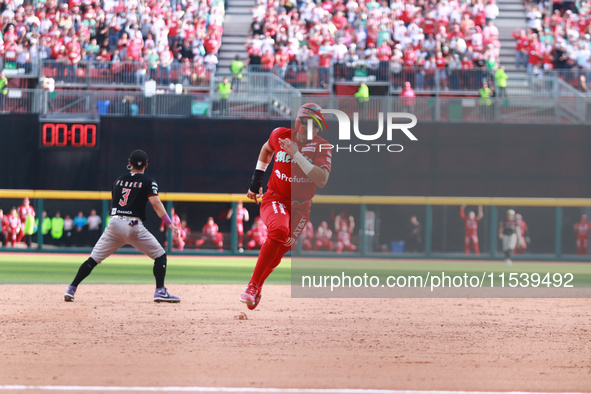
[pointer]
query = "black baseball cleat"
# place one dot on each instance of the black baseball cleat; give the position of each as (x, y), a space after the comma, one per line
(161, 295)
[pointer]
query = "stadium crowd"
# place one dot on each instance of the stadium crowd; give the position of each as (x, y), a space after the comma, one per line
(168, 41)
(416, 41)
(557, 38)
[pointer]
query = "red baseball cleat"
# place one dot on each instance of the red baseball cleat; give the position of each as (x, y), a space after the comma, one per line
(251, 296)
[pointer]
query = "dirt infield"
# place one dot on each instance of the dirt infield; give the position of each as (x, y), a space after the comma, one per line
(115, 335)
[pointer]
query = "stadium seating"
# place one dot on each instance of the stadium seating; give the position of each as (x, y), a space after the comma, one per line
(557, 42)
(373, 41)
(113, 42)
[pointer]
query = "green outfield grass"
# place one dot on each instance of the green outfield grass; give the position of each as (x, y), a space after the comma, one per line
(32, 268)
(61, 268)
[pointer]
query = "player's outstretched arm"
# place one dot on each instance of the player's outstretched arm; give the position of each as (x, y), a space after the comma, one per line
(255, 190)
(480, 213)
(161, 212)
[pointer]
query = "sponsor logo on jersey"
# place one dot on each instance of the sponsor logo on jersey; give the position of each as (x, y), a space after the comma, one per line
(292, 179)
(300, 227)
(308, 149)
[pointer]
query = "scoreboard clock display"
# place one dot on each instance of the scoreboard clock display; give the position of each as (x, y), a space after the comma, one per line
(69, 134)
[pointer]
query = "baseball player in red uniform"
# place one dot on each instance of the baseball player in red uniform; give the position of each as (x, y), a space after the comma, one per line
(23, 212)
(130, 195)
(324, 237)
(471, 225)
(210, 233)
(257, 234)
(344, 229)
(521, 233)
(582, 230)
(241, 217)
(300, 166)
(14, 227)
(177, 242)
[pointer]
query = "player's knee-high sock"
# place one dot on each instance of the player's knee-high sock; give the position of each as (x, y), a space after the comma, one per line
(160, 270)
(267, 257)
(467, 247)
(508, 254)
(84, 270)
(476, 248)
(282, 251)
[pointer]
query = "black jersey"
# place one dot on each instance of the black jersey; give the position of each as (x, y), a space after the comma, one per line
(509, 227)
(130, 195)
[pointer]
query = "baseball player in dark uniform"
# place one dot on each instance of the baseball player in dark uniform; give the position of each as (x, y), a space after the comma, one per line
(508, 233)
(130, 194)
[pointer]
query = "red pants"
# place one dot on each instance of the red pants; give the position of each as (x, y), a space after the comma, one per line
(240, 231)
(471, 239)
(582, 245)
(12, 236)
(285, 222)
(345, 245)
(324, 244)
(256, 243)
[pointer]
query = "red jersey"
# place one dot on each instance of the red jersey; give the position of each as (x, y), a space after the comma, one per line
(384, 53)
(407, 96)
(534, 56)
(24, 212)
(212, 45)
(344, 237)
(410, 57)
(429, 25)
(258, 231)
(340, 22)
(582, 229)
(281, 59)
(440, 61)
(325, 59)
(316, 151)
(267, 61)
(324, 235)
(134, 47)
(240, 213)
(14, 223)
(210, 230)
(471, 225)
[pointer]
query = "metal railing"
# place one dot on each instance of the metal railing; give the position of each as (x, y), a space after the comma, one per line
(421, 79)
(13, 68)
(127, 73)
(276, 103)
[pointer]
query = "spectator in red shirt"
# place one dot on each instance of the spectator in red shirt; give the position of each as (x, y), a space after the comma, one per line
(384, 53)
(440, 64)
(325, 56)
(535, 55)
(521, 44)
(267, 61)
(74, 56)
(281, 60)
(407, 97)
